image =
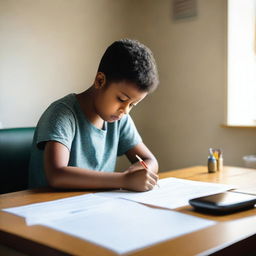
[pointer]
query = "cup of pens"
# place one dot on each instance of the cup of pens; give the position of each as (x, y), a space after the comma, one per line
(215, 160)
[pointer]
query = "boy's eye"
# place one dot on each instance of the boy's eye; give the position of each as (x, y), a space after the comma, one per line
(125, 100)
(120, 99)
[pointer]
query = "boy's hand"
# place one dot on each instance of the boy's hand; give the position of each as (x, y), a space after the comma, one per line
(139, 180)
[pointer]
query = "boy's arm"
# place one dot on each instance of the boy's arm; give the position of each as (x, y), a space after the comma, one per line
(60, 175)
(143, 152)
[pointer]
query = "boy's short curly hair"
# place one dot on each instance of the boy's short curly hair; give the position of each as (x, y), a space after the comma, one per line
(131, 61)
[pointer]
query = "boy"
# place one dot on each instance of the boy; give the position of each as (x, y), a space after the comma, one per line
(78, 137)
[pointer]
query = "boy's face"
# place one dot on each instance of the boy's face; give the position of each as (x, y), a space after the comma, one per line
(117, 99)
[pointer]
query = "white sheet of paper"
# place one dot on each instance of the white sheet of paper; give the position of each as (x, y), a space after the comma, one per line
(172, 192)
(57, 209)
(119, 225)
(124, 226)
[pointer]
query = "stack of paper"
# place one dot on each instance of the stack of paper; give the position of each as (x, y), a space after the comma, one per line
(121, 225)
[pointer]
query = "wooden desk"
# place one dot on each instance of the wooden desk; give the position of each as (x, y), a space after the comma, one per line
(235, 231)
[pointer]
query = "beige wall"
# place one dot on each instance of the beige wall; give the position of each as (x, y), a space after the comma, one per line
(182, 118)
(51, 48)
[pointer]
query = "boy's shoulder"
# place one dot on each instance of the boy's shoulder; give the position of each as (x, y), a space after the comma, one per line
(63, 107)
(64, 104)
(68, 101)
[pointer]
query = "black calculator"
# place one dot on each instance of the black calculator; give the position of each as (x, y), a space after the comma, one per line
(223, 203)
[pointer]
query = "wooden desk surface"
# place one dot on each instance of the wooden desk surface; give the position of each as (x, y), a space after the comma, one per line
(236, 230)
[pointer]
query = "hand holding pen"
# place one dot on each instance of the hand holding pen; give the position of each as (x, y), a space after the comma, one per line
(144, 166)
(139, 179)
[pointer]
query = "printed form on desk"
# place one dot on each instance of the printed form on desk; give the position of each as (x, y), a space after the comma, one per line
(116, 224)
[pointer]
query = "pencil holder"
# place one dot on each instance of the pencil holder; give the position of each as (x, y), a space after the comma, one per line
(215, 160)
(212, 164)
(220, 162)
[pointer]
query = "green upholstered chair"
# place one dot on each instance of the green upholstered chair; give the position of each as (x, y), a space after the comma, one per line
(15, 147)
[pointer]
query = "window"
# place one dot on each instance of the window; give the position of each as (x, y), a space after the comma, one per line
(241, 108)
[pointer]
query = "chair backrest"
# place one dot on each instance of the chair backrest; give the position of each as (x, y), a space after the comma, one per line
(15, 147)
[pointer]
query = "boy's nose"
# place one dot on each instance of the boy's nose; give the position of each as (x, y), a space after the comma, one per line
(125, 109)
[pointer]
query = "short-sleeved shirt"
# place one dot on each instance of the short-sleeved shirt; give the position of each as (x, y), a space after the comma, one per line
(89, 147)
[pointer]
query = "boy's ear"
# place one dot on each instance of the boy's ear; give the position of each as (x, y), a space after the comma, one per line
(100, 80)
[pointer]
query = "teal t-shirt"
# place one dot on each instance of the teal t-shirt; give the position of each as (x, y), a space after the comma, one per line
(89, 147)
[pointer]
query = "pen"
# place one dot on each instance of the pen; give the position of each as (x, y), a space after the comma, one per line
(144, 165)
